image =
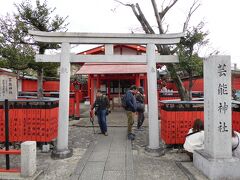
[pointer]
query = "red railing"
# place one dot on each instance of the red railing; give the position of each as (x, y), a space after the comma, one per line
(54, 95)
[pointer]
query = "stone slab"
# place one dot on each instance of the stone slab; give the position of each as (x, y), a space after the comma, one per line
(129, 162)
(129, 157)
(101, 150)
(216, 169)
(93, 171)
(190, 171)
(99, 156)
(114, 175)
(103, 144)
(116, 163)
(118, 149)
(74, 177)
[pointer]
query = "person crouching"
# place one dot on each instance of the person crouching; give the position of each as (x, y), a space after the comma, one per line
(194, 138)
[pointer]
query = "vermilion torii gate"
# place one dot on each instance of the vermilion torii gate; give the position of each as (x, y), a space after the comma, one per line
(65, 58)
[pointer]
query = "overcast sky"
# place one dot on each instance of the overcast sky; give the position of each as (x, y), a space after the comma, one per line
(108, 16)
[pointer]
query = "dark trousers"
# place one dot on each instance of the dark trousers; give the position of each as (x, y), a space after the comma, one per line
(102, 121)
(140, 119)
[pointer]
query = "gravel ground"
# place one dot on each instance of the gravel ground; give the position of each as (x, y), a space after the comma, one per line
(79, 140)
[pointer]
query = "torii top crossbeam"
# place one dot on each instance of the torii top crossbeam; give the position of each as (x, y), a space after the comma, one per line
(105, 38)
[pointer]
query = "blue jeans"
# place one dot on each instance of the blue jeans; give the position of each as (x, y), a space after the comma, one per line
(102, 121)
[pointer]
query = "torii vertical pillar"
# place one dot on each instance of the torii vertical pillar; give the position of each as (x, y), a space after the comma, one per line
(152, 98)
(62, 150)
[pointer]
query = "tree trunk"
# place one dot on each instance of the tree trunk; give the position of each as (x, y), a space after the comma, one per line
(190, 85)
(183, 93)
(40, 77)
(163, 49)
(40, 84)
(18, 79)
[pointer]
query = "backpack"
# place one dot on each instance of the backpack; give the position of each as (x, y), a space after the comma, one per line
(123, 101)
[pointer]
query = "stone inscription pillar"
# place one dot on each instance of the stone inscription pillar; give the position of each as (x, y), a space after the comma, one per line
(216, 160)
(217, 107)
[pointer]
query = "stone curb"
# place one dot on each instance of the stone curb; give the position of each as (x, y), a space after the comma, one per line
(17, 176)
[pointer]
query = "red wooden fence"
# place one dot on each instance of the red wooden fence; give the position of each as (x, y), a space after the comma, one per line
(32, 121)
(177, 119)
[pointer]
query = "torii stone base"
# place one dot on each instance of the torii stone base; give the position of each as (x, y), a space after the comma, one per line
(155, 152)
(56, 154)
(217, 169)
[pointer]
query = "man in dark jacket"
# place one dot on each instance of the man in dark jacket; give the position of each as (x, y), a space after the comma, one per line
(101, 106)
(131, 108)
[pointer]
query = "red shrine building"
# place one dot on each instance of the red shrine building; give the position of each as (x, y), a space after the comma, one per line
(114, 78)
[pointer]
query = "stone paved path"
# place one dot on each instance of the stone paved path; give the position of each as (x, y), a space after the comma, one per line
(110, 158)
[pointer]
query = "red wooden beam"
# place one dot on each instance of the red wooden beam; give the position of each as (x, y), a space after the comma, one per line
(12, 170)
(89, 86)
(118, 77)
(11, 151)
(145, 88)
(137, 80)
(108, 89)
(98, 82)
(92, 90)
(77, 101)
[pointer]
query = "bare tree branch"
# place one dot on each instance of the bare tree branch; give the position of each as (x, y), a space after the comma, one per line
(140, 16)
(165, 32)
(158, 18)
(132, 6)
(150, 29)
(166, 9)
(162, 5)
(121, 3)
(174, 50)
(140, 19)
(192, 9)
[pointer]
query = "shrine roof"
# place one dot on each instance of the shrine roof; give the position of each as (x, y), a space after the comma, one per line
(98, 68)
(100, 49)
(8, 72)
